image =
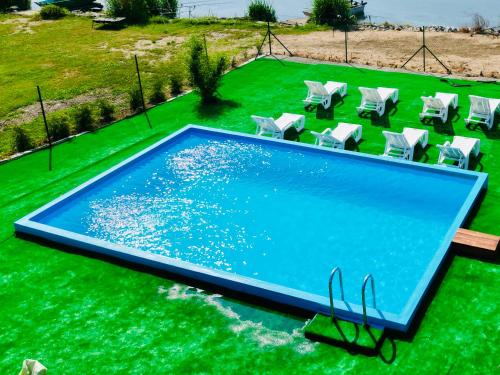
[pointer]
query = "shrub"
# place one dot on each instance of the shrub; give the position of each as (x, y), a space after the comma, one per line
(135, 11)
(205, 73)
(84, 121)
(479, 23)
(261, 10)
(335, 13)
(106, 111)
(176, 81)
(59, 127)
(169, 8)
(20, 4)
(52, 12)
(135, 99)
(234, 62)
(157, 96)
(21, 140)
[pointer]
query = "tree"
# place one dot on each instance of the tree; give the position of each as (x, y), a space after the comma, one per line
(205, 73)
(335, 13)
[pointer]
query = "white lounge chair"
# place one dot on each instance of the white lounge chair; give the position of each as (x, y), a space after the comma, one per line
(402, 145)
(277, 128)
(376, 99)
(322, 94)
(337, 137)
(438, 105)
(482, 110)
(459, 150)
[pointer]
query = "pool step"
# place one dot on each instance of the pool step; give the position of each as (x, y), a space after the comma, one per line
(475, 243)
(348, 335)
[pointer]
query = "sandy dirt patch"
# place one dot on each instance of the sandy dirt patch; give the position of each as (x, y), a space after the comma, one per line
(32, 111)
(466, 55)
(22, 24)
(142, 47)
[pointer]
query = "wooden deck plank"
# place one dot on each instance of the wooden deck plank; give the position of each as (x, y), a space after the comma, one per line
(472, 242)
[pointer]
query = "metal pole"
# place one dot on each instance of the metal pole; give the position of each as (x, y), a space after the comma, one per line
(140, 90)
(46, 127)
(423, 40)
(269, 35)
(345, 42)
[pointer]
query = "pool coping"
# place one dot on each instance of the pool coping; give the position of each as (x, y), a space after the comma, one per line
(251, 286)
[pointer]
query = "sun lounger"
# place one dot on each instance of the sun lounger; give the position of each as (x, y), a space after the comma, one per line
(482, 111)
(319, 94)
(459, 150)
(402, 145)
(437, 106)
(337, 137)
(376, 99)
(277, 128)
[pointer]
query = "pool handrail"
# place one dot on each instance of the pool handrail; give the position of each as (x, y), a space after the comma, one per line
(363, 298)
(330, 289)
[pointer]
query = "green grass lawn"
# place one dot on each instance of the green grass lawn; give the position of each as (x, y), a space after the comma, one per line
(76, 313)
(68, 59)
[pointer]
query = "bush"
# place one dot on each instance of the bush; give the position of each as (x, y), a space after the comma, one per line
(106, 111)
(21, 140)
(205, 73)
(52, 12)
(479, 23)
(157, 96)
(176, 81)
(169, 8)
(261, 10)
(335, 13)
(135, 99)
(84, 120)
(59, 127)
(139, 11)
(135, 11)
(20, 4)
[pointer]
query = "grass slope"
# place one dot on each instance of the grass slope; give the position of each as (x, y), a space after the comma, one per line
(80, 314)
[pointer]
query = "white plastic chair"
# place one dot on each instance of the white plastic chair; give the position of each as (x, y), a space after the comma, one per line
(277, 128)
(376, 99)
(438, 106)
(459, 150)
(322, 94)
(482, 111)
(337, 137)
(402, 145)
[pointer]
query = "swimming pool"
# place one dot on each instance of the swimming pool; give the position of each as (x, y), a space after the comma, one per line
(271, 218)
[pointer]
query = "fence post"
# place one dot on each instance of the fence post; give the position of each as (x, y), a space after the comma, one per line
(46, 126)
(140, 90)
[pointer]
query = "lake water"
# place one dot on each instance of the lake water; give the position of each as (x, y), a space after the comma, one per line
(423, 12)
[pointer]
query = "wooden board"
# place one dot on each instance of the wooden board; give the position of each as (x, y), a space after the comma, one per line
(472, 242)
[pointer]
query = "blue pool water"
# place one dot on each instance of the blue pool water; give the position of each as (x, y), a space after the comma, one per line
(275, 213)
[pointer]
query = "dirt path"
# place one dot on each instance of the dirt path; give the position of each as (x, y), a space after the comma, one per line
(466, 55)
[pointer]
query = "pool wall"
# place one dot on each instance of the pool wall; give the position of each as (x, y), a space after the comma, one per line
(311, 302)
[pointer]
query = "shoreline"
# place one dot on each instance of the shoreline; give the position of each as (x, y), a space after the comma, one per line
(386, 26)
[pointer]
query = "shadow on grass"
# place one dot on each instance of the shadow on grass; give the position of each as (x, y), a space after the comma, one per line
(493, 133)
(216, 109)
(383, 121)
(420, 154)
(446, 127)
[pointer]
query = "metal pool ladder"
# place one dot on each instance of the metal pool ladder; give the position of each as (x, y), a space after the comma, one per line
(330, 289)
(363, 299)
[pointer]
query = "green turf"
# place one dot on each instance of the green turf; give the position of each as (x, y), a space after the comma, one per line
(80, 314)
(352, 336)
